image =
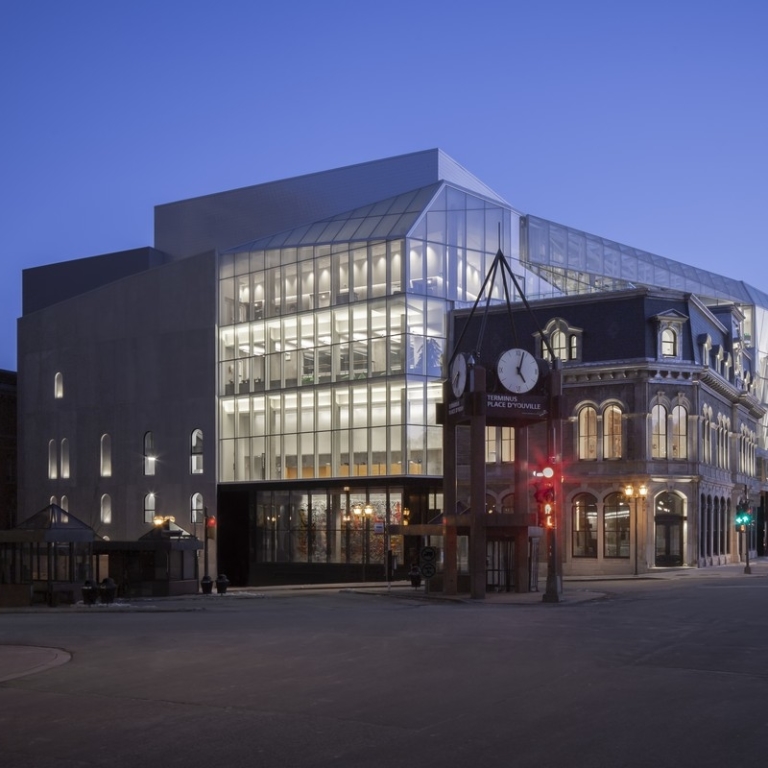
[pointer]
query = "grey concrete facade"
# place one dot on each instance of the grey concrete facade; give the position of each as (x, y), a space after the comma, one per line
(134, 356)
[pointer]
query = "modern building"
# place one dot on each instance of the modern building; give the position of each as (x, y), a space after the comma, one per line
(276, 359)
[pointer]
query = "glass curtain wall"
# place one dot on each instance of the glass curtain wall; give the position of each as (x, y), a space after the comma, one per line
(331, 354)
(321, 526)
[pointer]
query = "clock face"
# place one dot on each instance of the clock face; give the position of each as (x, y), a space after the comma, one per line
(459, 375)
(518, 370)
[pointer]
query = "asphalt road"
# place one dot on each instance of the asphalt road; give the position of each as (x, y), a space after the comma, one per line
(656, 673)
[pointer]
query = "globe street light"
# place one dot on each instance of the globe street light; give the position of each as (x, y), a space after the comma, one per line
(640, 493)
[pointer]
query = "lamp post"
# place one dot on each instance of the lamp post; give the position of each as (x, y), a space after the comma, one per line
(640, 493)
(364, 514)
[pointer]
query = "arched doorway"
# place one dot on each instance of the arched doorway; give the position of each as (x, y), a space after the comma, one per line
(668, 520)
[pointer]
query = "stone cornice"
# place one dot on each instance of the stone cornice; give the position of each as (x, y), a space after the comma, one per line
(651, 371)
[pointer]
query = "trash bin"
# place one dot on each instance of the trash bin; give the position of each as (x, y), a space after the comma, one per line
(90, 592)
(222, 582)
(206, 585)
(107, 590)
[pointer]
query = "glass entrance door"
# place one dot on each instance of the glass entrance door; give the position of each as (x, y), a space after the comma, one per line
(669, 541)
(500, 565)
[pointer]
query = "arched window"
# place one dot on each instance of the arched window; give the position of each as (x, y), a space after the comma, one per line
(616, 526)
(106, 509)
(658, 432)
(149, 508)
(706, 435)
(612, 432)
(105, 455)
(587, 433)
(561, 340)
(668, 343)
(196, 452)
(64, 503)
(196, 508)
(53, 500)
(559, 344)
(53, 470)
(64, 458)
(679, 432)
(149, 454)
(584, 525)
(58, 386)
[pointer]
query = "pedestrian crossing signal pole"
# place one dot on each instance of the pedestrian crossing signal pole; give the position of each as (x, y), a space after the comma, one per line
(743, 521)
(209, 522)
(554, 578)
(547, 506)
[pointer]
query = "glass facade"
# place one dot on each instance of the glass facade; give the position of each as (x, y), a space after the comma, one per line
(320, 526)
(332, 337)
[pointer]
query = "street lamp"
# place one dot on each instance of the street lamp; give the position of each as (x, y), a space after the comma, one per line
(640, 493)
(364, 513)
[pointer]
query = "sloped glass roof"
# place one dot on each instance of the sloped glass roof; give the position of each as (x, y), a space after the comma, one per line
(387, 219)
(590, 254)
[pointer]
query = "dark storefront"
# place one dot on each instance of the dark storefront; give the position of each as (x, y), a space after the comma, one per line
(291, 534)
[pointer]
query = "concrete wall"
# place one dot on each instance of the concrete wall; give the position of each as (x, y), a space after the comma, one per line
(136, 355)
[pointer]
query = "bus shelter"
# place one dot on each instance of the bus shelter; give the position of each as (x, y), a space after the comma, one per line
(46, 558)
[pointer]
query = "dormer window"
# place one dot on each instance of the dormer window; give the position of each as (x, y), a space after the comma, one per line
(669, 334)
(564, 341)
(668, 343)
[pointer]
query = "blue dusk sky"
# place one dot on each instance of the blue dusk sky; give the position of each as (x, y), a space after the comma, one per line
(644, 122)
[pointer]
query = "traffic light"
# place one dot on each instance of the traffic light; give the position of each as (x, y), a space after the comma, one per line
(210, 527)
(548, 516)
(544, 495)
(743, 516)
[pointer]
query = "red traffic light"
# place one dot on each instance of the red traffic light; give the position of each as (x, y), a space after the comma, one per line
(544, 493)
(210, 521)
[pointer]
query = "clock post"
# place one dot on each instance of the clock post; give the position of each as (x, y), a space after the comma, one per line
(477, 489)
